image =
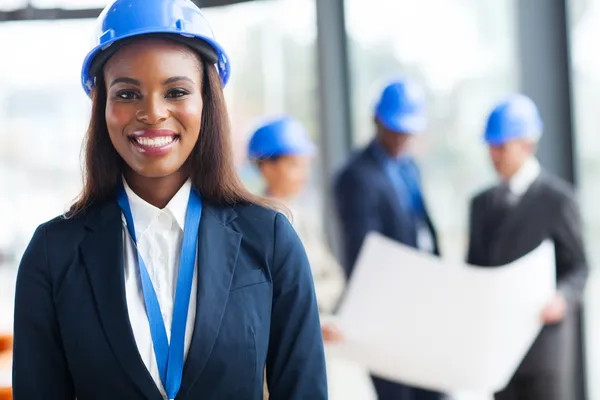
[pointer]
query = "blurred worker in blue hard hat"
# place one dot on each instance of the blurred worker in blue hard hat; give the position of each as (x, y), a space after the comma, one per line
(380, 190)
(168, 278)
(510, 219)
(283, 152)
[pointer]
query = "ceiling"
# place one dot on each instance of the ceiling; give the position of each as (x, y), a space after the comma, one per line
(27, 10)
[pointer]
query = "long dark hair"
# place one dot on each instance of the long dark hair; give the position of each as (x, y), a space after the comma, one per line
(212, 169)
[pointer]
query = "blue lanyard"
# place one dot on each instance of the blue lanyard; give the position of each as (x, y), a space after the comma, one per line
(169, 358)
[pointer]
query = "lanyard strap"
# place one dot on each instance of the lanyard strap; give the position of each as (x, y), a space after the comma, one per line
(169, 358)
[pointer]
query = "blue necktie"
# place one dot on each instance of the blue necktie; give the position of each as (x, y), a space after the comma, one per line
(411, 180)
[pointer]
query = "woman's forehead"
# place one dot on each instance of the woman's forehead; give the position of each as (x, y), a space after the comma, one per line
(154, 56)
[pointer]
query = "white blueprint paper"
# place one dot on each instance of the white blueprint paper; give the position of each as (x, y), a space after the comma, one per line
(417, 319)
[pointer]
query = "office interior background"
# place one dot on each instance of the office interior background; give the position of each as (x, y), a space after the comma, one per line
(324, 62)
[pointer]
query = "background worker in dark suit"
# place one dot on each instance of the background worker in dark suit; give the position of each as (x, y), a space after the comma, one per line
(167, 279)
(512, 218)
(379, 190)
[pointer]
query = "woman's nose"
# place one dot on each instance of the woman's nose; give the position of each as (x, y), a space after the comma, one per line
(154, 111)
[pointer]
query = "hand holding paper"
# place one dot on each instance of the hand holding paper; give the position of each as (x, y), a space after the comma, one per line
(331, 334)
(413, 318)
(555, 311)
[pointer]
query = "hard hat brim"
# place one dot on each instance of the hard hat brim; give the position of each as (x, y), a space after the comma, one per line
(309, 151)
(408, 124)
(501, 140)
(206, 47)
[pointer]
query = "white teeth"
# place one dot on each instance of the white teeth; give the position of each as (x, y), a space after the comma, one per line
(154, 142)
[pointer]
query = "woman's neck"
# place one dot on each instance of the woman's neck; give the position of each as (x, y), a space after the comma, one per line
(279, 196)
(156, 191)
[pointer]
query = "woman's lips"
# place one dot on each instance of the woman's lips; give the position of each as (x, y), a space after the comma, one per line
(156, 142)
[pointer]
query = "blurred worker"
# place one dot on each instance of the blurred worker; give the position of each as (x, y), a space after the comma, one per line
(379, 190)
(511, 219)
(283, 153)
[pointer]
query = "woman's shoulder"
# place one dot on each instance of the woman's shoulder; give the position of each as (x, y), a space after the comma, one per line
(269, 232)
(255, 220)
(66, 228)
(256, 213)
(60, 226)
(264, 224)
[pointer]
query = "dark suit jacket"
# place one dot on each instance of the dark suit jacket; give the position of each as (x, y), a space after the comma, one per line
(256, 306)
(366, 201)
(548, 210)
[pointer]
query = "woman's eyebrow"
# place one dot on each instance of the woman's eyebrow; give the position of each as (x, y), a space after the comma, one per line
(174, 79)
(126, 80)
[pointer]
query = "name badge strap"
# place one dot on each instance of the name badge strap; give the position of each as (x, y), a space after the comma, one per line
(187, 265)
(169, 358)
(158, 332)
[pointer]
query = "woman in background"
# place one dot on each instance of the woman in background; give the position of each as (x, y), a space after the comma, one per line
(283, 153)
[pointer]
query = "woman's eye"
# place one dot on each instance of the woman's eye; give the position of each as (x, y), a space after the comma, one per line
(127, 95)
(176, 93)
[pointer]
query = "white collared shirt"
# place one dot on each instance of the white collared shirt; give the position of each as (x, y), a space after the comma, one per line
(522, 180)
(159, 235)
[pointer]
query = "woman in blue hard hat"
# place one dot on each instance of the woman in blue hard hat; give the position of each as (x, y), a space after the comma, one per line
(283, 153)
(166, 279)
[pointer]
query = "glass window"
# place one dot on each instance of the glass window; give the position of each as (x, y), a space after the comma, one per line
(585, 30)
(463, 52)
(43, 117)
(273, 63)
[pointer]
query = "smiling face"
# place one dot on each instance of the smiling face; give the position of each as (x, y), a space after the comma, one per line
(154, 106)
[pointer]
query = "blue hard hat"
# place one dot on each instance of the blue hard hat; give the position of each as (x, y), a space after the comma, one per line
(280, 137)
(180, 20)
(516, 117)
(401, 107)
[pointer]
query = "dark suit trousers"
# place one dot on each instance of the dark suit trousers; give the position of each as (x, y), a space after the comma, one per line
(541, 386)
(387, 390)
(547, 372)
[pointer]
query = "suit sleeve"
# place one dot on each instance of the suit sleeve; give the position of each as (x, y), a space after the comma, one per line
(570, 252)
(296, 360)
(358, 214)
(39, 366)
(475, 254)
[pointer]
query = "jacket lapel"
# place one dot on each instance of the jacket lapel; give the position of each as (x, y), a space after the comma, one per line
(218, 247)
(102, 251)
